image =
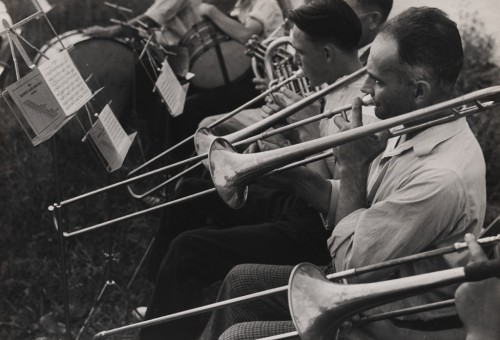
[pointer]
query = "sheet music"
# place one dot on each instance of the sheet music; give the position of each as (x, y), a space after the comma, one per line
(66, 83)
(110, 138)
(171, 90)
(36, 102)
(45, 6)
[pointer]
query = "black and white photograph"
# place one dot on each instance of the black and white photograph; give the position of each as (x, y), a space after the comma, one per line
(250, 169)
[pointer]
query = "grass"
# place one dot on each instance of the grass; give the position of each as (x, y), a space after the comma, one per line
(31, 300)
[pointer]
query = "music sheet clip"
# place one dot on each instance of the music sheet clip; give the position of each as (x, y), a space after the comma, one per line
(110, 139)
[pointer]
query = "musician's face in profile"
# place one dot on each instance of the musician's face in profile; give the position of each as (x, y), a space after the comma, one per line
(310, 56)
(390, 88)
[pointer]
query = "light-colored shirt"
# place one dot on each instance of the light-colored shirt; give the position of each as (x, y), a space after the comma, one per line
(424, 193)
(177, 17)
(267, 12)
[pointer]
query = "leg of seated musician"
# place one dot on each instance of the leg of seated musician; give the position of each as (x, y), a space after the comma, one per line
(203, 211)
(247, 279)
(257, 330)
(200, 257)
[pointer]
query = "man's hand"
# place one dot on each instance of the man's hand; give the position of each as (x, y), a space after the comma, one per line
(478, 303)
(261, 84)
(357, 154)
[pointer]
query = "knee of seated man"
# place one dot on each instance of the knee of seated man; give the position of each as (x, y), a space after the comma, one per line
(183, 253)
(239, 280)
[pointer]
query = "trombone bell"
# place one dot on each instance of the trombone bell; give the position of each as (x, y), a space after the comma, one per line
(203, 137)
(224, 173)
(318, 306)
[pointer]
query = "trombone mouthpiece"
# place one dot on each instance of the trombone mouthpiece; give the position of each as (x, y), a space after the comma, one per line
(367, 100)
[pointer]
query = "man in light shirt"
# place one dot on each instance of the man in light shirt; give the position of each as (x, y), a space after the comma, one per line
(425, 190)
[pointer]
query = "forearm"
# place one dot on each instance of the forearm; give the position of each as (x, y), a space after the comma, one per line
(352, 192)
(313, 188)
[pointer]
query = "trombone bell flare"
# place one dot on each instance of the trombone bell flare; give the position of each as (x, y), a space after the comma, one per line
(318, 306)
(234, 195)
(203, 137)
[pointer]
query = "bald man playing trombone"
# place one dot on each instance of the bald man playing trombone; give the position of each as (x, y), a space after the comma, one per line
(425, 190)
(275, 226)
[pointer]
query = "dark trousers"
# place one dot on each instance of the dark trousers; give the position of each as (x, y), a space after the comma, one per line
(276, 228)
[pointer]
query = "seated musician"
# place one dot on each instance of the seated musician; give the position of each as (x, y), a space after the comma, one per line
(371, 14)
(174, 19)
(425, 190)
(275, 226)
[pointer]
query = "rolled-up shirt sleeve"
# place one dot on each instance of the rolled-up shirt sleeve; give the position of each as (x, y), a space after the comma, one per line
(428, 207)
(329, 218)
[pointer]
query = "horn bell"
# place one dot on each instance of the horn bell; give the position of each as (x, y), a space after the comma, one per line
(223, 160)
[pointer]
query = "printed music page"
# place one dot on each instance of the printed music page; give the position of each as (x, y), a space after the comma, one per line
(65, 82)
(37, 104)
(111, 140)
(171, 90)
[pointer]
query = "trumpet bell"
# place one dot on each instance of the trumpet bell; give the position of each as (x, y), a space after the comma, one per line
(224, 173)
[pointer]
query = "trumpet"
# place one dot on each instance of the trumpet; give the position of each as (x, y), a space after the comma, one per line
(231, 172)
(457, 247)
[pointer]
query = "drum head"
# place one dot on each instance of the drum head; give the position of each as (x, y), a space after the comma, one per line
(110, 62)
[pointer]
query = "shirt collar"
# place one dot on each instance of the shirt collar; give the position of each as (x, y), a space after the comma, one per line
(424, 142)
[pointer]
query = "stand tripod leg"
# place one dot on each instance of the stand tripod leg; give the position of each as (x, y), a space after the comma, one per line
(92, 310)
(139, 266)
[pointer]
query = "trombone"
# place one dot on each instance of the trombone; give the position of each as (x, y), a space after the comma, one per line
(457, 247)
(231, 172)
(204, 137)
(318, 306)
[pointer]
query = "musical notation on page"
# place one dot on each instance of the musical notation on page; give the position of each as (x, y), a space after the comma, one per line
(111, 139)
(66, 83)
(48, 96)
(171, 90)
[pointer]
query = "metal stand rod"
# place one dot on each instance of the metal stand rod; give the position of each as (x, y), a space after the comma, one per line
(62, 250)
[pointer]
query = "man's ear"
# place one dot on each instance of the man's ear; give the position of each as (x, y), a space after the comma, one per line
(423, 92)
(375, 19)
(330, 52)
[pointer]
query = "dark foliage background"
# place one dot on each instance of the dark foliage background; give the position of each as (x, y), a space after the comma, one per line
(30, 291)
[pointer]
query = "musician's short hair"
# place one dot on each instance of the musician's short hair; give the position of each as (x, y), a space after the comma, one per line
(383, 6)
(429, 45)
(329, 20)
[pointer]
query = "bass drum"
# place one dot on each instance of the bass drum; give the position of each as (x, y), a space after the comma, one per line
(215, 58)
(111, 62)
(127, 85)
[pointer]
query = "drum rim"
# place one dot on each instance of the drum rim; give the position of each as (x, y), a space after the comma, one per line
(84, 37)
